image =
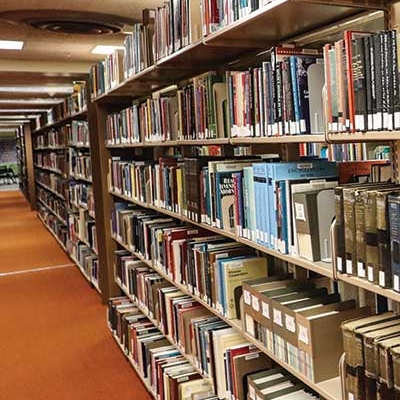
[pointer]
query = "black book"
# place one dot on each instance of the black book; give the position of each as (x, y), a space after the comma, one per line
(378, 70)
(387, 82)
(254, 4)
(395, 80)
(368, 83)
(277, 99)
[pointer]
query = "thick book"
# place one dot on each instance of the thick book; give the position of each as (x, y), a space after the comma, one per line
(232, 272)
(314, 213)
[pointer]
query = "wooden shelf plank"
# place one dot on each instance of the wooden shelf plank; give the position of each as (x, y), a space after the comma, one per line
(79, 115)
(287, 19)
(364, 284)
(371, 136)
(280, 139)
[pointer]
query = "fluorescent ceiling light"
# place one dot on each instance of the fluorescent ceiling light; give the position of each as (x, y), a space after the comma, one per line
(22, 110)
(14, 123)
(53, 100)
(66, 89)
(11, 45)
(101, 49)
(8, 130)
(12, 117)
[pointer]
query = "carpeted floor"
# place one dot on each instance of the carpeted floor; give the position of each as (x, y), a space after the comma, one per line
(21, 229)
(54, 343)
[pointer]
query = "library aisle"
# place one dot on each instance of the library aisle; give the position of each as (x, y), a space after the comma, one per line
(54, 342)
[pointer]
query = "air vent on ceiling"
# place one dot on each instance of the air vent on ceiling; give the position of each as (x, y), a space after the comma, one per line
(77, 27)
(70, 22)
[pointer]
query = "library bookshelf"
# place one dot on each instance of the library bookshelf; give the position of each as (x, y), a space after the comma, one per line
(288, 22)
(62, 185)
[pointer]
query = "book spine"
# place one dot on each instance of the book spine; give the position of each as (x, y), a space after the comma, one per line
(395, 81)
(394, 223)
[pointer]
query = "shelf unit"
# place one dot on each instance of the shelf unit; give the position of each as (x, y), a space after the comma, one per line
(22, 162)
(59, 179)
(287, 21)
(329, 389)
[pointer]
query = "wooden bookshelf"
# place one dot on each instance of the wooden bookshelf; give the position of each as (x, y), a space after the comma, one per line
(286, 21)
(329, 389)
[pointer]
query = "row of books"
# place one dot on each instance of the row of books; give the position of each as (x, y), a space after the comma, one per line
(80, 164)
(163, 31)
(73, 104)
(366, 233)
(53, 138)
(217, 14)
(58, 228)
(53, 182)
(372, 355)
(81, 195)
(78, 133)
(81, 227)
(56, 162)
(281, 97)
(107, 74)
(177, 315)
(209, 266)
(86, 260)
(139, 53)
(249, 197)
(177, 24)
(160, 364)
(123, 126)
(55, 204)
(362, 82)
(245, 373)
(359, 151)
(295, 319)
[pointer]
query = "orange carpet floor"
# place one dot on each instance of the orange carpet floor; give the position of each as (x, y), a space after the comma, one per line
(20, 228)
(54, 342)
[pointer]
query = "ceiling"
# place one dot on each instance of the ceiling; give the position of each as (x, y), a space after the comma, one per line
(53, 57)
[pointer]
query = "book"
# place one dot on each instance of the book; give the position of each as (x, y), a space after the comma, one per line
(314, 213)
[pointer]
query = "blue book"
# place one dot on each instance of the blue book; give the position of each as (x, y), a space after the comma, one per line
(296, 97)
(260, 200)
(293, 171)
(239, 213)
(283, 234)
(206, 212)
(394, 223)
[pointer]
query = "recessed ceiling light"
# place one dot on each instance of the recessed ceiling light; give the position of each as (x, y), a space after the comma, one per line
(11, 45)
(101, 49)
